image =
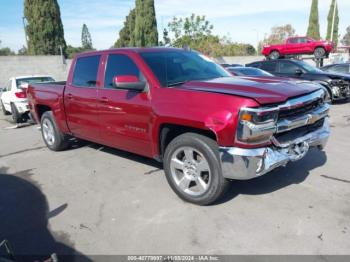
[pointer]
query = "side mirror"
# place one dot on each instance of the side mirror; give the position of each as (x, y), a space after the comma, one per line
(298, 72)
(128, 82)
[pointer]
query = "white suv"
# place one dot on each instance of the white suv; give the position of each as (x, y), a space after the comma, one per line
(13, 99)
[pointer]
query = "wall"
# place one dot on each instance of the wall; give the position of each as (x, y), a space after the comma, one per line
(11, 66)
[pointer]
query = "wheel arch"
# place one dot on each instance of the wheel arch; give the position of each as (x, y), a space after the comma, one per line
(168, 132)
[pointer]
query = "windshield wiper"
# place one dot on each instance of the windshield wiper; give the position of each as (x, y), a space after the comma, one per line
(177, 83)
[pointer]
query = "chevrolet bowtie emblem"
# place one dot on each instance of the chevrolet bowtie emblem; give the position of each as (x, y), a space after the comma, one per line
(312, 119)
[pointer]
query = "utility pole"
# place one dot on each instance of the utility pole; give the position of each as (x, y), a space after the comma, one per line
(333, 20)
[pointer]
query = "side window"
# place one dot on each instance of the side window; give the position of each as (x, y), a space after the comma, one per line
(255, 64)
(287, 67)
(302, 40)
(85, 71)
(293, 40)
(118, 65)
(269, 66)
(342, 69)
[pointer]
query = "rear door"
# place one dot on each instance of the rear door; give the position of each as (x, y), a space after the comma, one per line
(80, 98)
(125, 115)
(287, 69)
(269, 66)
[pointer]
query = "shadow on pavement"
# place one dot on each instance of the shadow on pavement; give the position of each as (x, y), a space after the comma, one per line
(24, 217)
(293, 173)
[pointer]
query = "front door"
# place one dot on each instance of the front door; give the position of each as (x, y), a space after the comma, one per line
(125, 115)
(80, 99)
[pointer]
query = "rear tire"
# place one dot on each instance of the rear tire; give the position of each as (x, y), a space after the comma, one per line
(6, 113)
(319, 53)
(54, 139)
(16, 116)
(192, 168)
(274, 55)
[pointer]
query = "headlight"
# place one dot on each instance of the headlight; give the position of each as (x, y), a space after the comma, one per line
(256, 126)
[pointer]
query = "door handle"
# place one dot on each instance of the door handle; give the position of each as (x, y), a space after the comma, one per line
(104, 100)
(70, 96)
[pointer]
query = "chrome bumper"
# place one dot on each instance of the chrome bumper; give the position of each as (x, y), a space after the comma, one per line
(244, 164)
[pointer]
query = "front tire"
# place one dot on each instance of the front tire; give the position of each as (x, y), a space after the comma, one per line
(192, 168)
(53, 137)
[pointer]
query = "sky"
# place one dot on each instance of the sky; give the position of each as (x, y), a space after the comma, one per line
(241, 20)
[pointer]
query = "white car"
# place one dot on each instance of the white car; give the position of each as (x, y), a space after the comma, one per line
(13, 99)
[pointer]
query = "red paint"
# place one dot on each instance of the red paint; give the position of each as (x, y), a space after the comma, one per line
(291, 48)
(125, 79)
(132, 120)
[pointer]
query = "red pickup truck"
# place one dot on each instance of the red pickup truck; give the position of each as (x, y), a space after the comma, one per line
(179, 107)
(299, 46)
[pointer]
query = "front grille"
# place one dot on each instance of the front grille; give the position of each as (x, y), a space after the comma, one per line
(293, 134)
(342, 84)
(300, 111)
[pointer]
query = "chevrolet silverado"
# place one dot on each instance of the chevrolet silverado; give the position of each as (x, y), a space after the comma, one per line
(179, 107)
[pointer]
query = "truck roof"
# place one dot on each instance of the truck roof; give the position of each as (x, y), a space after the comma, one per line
(133, 49)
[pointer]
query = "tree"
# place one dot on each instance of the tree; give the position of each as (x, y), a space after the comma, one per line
(6, 51)
(72, 51)
(146, 32)
(44, 27)
(346, 39)
(333, 17)
(86, 41)
(314, 26)
(126, 34)
(195, 32)
(166, 38)
(23, 51)
(190, 31)
(279, 34)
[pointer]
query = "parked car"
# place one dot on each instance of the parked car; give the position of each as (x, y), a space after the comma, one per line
(337, 86)
(337, 68)
(13, 97)
(298, 46)
(247, 71)
(230, 65)
(179, 107)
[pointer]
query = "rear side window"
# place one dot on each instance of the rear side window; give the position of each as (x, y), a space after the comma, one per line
(269, 66)
(85, 72)
(293, 40)
(341, 69)
(287, 67)
(255, 64)
(118, 65)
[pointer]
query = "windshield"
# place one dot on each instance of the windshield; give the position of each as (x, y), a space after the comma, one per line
(250, 72)
(309, 68)
(176, 67)
(32, 80)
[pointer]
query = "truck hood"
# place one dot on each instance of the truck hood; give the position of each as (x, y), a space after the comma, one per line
(262, 90)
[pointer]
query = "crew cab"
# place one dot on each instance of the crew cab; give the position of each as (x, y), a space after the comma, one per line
(336, 85)
(298, 46)
(13, 99)
(179, 107)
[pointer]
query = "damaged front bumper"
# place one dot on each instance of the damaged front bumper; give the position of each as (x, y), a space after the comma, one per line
(243, 164)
